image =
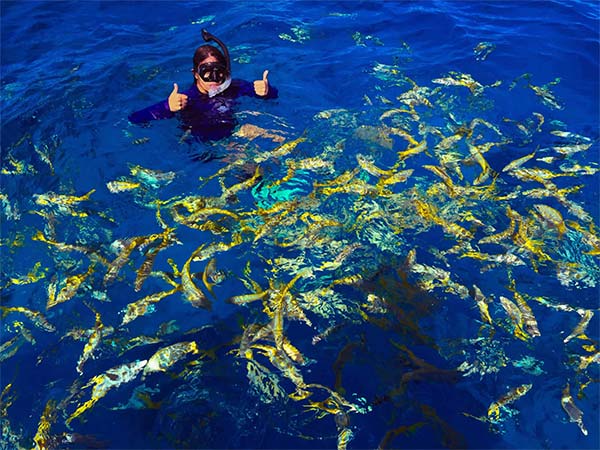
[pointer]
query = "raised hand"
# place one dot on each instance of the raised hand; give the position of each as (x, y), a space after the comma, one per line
(261, 87)
(177, 101)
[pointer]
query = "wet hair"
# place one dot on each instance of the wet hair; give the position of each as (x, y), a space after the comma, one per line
(204, 52)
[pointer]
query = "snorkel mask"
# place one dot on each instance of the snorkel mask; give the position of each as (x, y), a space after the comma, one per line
(215, 72)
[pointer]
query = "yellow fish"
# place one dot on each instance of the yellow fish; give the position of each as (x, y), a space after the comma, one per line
(191, 292)
(493, 413)
(551, 217)
(574, 413)
(51, 198)
(121, 186)
(518, 162)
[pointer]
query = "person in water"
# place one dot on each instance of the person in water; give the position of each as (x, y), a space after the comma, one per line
(206, 108)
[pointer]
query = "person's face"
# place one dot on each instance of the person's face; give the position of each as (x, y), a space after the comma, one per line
(205, 86)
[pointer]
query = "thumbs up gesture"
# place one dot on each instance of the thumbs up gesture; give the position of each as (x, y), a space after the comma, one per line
(177, 101)
(261, 87)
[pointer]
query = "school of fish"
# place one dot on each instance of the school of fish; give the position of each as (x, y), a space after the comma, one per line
(309, 245)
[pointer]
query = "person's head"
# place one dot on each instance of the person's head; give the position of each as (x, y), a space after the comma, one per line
(210, 68)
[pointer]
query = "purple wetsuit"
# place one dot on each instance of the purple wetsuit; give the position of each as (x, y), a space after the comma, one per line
(207, 118)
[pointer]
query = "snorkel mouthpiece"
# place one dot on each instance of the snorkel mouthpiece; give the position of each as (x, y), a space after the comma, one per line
(220, 88)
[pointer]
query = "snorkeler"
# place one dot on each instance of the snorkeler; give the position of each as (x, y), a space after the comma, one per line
(206, 107)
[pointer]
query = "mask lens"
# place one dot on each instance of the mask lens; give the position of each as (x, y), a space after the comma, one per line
(212, 72)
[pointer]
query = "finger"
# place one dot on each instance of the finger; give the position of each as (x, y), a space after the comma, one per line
(265, 73)
(175, 89)
(259, 87)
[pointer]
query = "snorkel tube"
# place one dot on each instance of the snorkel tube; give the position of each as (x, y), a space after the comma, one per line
(209, 37)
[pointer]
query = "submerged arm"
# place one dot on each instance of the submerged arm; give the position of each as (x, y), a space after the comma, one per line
(157, 111)
(161, 110)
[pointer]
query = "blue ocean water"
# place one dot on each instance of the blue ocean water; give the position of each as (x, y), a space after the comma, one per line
(373, 280)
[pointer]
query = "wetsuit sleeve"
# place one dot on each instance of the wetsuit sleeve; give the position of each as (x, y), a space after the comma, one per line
(273, 92)
(158, 111)
(246, 88)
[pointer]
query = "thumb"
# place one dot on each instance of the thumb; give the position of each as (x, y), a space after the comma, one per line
(175, 89)
(265, 73)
